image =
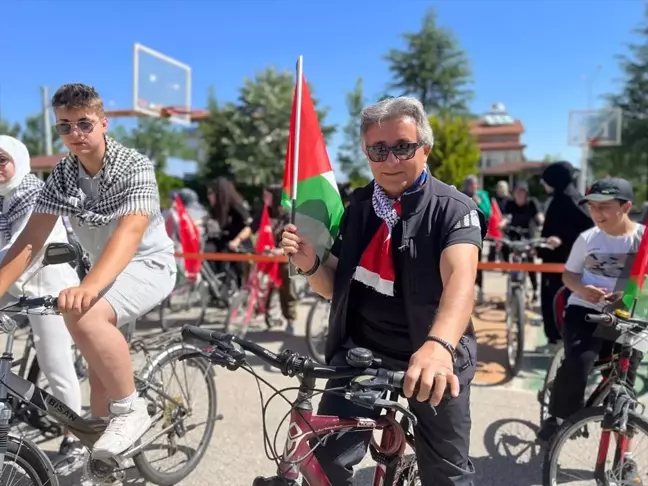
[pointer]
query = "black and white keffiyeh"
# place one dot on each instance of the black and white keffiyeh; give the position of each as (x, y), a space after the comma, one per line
(127, 186)
(21, 201)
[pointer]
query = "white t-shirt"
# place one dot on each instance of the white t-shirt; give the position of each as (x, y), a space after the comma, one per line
(601, 260)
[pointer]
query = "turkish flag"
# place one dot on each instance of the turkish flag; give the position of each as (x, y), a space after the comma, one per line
(494, 221)
(189, 239)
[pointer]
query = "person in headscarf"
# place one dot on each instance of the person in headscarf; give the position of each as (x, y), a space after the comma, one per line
(565, 219)
(482, 200)
(19, 190)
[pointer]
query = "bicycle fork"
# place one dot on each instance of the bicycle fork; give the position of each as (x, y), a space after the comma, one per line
(5, 407)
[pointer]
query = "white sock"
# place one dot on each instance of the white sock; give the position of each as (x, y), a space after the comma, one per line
(126, 403)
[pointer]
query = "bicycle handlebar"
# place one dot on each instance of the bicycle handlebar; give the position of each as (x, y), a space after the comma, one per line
(632, 324)
(26, 303)
(289, 362)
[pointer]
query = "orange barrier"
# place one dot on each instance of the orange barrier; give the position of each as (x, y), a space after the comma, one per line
(251, 257)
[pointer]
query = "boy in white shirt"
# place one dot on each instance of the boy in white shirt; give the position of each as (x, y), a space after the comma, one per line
(597, 269)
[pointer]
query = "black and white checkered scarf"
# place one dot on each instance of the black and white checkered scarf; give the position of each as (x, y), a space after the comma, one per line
(127, 185)
(20, 203)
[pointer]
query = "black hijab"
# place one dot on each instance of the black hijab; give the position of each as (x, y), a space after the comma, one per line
(565, 217)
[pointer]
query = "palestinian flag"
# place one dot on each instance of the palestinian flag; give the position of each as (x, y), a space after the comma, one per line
(318, 206)
(637, 276)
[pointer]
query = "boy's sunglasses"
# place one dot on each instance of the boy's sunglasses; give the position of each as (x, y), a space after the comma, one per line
(402, 151)
(84, 126)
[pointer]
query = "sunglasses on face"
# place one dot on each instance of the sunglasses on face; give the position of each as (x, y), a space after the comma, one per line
(84, 126)
(402, 151)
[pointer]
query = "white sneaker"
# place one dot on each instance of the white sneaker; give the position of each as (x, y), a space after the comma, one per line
(126, 426)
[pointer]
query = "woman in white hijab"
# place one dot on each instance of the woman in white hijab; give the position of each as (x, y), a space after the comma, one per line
(18, 193)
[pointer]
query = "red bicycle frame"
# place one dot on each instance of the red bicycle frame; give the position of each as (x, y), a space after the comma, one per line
(298, 456)
(259, 290)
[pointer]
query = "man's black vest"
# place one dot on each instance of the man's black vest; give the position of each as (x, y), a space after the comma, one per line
(426, 218)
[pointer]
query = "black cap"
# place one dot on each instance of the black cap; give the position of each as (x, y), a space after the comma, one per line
(609, 189)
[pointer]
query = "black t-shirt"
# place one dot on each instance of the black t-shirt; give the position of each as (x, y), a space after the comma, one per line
(379, 322)
(237, 219)
(522, 216)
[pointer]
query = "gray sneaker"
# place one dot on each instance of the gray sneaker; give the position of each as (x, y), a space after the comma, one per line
(127, 425)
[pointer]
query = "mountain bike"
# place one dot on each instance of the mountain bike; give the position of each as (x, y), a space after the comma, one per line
(515, 304)
(167, 409)
(370, 386)
(613, 408)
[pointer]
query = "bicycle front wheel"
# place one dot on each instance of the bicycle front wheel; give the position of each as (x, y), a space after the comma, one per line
(581, 458)
(26, 465)
(515, 319)
(544, 395)
(407, 473)
(181, 399)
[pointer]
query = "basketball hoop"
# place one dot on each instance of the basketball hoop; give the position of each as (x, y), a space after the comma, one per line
(175, 111)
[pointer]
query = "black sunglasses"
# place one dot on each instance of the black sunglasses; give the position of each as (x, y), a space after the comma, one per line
(402, 151)
(85, 126)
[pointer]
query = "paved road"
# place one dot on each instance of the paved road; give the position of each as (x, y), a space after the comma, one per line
(505, 416)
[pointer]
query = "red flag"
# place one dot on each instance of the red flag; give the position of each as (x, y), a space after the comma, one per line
(189, 239)
(495, 220)
(637, 272)
(265, 241)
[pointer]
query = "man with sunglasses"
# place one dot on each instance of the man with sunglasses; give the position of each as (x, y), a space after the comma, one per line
(401, 276)
(110, 194)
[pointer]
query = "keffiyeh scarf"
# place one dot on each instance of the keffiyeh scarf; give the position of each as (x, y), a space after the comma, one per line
(376, 267)
(21, 202)
(127, 185)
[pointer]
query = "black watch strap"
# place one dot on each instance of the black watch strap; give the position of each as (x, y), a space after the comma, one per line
(449, 347)
(313, 269)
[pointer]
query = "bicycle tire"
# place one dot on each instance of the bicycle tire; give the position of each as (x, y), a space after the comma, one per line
(31, 459)
(517, 303)
(312, 348)
(241, 302)
(571, 425)
(141, 462)
(544, 395)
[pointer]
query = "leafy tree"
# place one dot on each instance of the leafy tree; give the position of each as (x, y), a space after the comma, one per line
(157, 139)
(455, 153)
(32, 137)
(630, 159)
(552, 158)
(433, 68)
(247, 139)
(351, 158)
(6, 128)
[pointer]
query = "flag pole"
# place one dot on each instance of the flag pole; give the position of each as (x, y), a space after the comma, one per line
(295, 167)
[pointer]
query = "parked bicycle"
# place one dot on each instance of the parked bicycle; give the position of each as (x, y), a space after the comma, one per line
(371, 386)
(250, 302)
(612, 408)
(515, 304)
(168, 410)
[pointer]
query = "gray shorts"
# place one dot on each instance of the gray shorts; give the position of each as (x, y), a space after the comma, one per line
(139, 288)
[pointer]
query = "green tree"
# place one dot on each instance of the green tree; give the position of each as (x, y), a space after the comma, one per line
(552, 158)
(7, 128)
(247, 139)
(156, 138)
(351, 158)
(630, 159)
(32, 137)
(433, 68)
(455, 153)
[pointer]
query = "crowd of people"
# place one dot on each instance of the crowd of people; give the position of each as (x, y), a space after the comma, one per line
(411, 300)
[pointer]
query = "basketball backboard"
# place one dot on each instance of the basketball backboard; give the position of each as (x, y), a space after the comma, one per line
(160, 82)
(595, 127)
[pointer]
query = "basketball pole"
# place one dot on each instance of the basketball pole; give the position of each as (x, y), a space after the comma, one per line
(47, 122)
(582, 179)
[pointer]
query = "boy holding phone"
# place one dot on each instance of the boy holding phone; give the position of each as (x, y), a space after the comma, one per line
(596, 272)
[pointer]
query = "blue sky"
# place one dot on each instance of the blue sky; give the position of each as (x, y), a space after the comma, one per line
(530, 55)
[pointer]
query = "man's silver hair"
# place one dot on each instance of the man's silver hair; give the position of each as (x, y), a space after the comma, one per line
(401, 107)
(470, 179)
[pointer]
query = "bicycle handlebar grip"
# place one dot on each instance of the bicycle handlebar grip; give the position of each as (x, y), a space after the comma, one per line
(200, 333)
(600, 319)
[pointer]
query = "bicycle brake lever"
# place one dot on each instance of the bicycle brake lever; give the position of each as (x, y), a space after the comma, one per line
(370, 383)
(399, 407)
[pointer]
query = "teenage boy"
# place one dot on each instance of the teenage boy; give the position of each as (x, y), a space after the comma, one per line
(110, 194)
(597, 268)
